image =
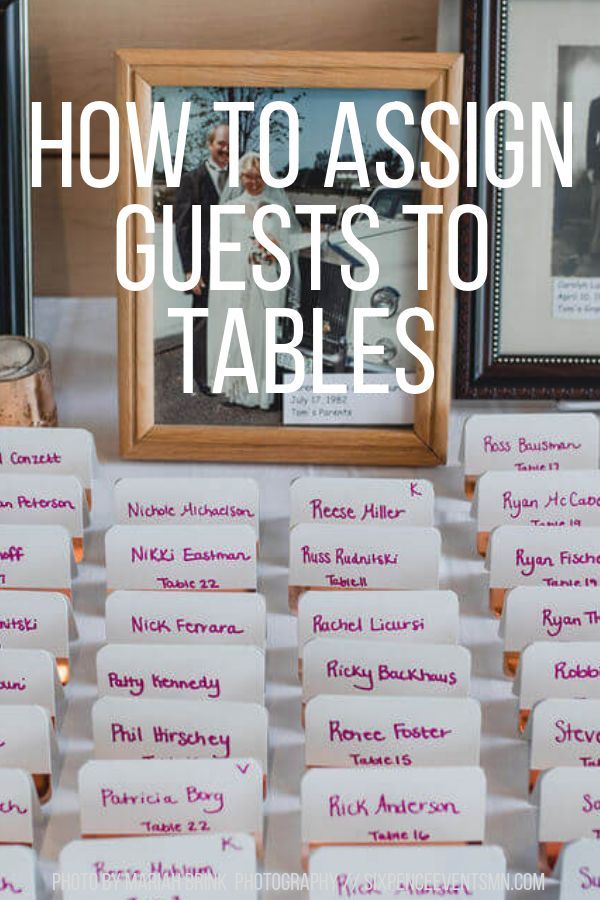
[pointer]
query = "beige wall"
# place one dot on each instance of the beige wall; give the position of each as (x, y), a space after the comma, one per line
(72, 46)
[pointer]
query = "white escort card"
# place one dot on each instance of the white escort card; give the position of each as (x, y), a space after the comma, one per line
(365, 557)
(161, 729)
(564, 733)
(182, 673)
(207, 866)
(372, 668)
(386, 872)
(19, 808)
(181, 558)
(579, 870)
(187, 501)
(393, 806)
(49, 451)
(547, 614)
(361, 501)
(36, 557)
(402, 617)
(349, 732)
(530, 442)
(38, 621)
(143, 617)
(526, 555)
(29, 677)
(171, 797)
(542, 499)
(19, 874)
(558, 671)
(27, 741)
(569, 809)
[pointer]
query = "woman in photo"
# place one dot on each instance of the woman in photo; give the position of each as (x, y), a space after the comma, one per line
(252, 195)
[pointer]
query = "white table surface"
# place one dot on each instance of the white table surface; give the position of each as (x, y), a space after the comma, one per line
(82, 337)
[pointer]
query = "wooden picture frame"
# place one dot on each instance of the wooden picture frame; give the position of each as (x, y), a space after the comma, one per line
(439, 76)
(483, 369)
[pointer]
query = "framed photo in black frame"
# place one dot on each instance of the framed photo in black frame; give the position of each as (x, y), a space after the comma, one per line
(533, 330)
(15, 232)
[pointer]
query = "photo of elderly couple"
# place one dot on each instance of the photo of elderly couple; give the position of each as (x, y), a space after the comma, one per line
(205, 183)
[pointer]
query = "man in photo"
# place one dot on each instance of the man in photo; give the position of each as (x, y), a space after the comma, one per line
(593, 170)
(201, 187)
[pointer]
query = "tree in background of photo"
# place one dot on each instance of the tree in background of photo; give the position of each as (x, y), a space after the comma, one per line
(203, 117)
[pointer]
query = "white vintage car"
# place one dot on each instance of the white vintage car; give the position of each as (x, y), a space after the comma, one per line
(395, 245)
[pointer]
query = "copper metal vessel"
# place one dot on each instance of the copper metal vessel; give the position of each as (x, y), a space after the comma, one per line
(26, 391)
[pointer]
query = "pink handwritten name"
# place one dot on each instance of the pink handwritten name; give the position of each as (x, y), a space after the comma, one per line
(188, 554)
(343, 557)
(588, 879)
(50, 458)
(529, 563)
(555, 623)
(136, 510)
(320, 511)
(372, 885)
(567, 733)
(518, 506)
(364, 677)
(19, 623)
(124, 734)
(12, 554)
(136, 685)
(590, 804)
(338, 807)
(144, 625)
(374, 624)
(158, 868)
(19, 686)
(563, 671)
(400, 730)
(24, 502)
(525, 445)
(10, 886)
(8, 807)
(211, 802)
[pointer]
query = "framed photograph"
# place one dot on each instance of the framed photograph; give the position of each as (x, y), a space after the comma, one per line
(533, 330)
(15, 189)
(159, 420)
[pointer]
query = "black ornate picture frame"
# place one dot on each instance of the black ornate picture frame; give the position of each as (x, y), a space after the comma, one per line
(15, 192)
(482, 370)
